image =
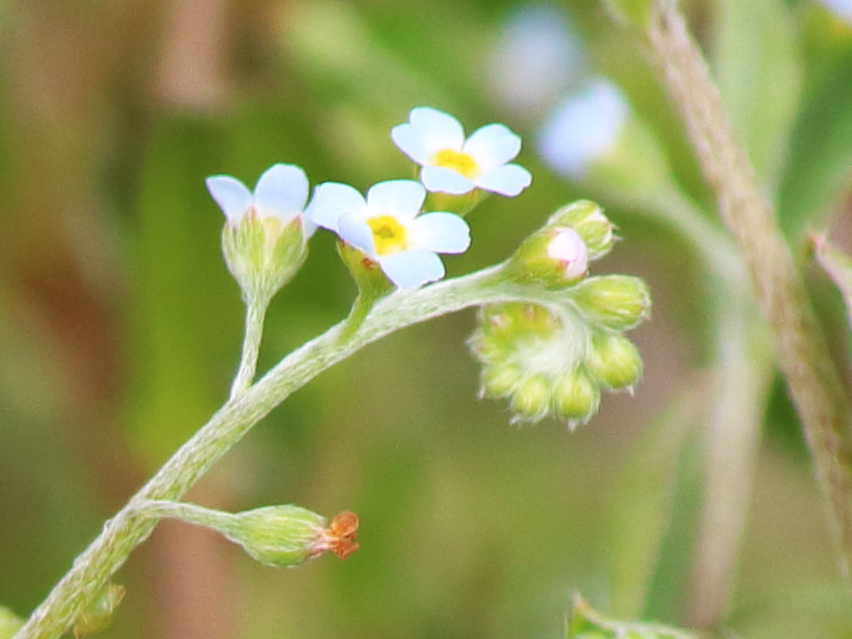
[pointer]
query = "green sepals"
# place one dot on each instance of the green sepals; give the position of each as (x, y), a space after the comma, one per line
(277, 535)
(618, 302)
(613, 361)
(576, 397)
(99, 613)
(588, 220)
(461, 205)
(263, 254)
(531, 399)
(371, 281)
(586, 623)
(10, 623)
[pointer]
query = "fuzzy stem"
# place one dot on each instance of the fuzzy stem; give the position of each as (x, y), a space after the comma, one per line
(800, 346)
(132, 525)
(255, 312)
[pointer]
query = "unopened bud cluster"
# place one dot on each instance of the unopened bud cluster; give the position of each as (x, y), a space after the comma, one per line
(555, 360)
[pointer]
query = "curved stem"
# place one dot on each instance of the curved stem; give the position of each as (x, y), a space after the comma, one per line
(132, 525)
(802, 353)
(255, 312)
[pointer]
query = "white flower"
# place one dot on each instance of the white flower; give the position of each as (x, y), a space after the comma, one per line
(584, 128)
(568, 248)
(281, 192)
(454, 165)
(387, 228)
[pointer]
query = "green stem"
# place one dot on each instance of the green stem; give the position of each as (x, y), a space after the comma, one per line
(131, 526)
(800, 346)
(255, 312)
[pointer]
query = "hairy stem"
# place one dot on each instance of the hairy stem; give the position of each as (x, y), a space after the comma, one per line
(255, 312)
(132, 525)
(800, 346)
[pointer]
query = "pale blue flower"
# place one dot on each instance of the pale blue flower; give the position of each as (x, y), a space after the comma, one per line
(584, 128)
(841, 8)
(281, 192)
(387, 227)
(451, 164)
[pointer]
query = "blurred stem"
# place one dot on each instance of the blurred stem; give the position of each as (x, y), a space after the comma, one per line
(255, 312)
(800, 346)
(132, 525)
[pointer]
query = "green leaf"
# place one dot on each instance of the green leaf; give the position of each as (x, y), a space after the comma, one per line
(586, 623)
(820, 168)
(758, 65)
(643, 502)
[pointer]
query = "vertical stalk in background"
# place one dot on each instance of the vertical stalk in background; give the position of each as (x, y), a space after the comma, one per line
(803, 356)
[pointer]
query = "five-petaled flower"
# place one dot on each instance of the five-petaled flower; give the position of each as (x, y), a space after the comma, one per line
(451, 164)
(387, 228)
(281, 192)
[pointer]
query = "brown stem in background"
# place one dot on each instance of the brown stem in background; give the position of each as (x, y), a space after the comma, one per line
(799, 343)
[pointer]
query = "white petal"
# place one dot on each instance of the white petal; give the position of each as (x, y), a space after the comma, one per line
(331, 200)
(437, 129)
(509, 180)
(439, 178)
(492, 146)
(281, 191)
(410, 141)
(583, 128)
(400, 199)
(440, 232)
(231, 195)
(569, 248)
(412, 268)
(354, 230)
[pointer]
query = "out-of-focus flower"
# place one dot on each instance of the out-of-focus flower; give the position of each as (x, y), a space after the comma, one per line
(451, 164)
(534, 59)
(265, 236)
(388, 228)
(583, 129)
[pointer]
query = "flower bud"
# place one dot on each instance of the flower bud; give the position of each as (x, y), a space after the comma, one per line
(553, 257)
(99, 613)
(10, 623)
(590, 223)
(576, 398)
(531, 400)
(500, 380)
(613, 361)
(617, 302)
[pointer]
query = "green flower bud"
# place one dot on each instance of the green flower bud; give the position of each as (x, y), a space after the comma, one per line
(274, 535)
(10, 623)
(98, 614)
(263, 254)
(500, 380)
(531, 400)
(618, 302)
(614, 361)
(588, 220)
(553, 257)
(576, 398)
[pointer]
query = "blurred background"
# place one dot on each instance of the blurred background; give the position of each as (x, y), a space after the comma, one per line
(120, 326)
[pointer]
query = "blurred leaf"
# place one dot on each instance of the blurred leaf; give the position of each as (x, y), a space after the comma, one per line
(10, 623)
(642, 505)
(838, 265)
(635, 12)
(820, 168)
(758, 65)
(586, 623)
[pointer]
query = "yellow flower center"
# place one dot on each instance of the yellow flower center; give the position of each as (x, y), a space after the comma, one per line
(389, 236)
(459, 162)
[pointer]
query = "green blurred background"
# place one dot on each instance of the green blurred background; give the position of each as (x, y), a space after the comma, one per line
(120, 327)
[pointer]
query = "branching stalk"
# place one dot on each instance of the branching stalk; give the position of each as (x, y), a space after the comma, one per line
(255, 312)
(133, 524)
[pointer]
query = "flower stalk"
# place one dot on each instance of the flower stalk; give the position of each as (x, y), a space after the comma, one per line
(132, 525)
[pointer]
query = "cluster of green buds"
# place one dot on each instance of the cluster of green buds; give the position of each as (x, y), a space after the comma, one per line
(555, 359)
